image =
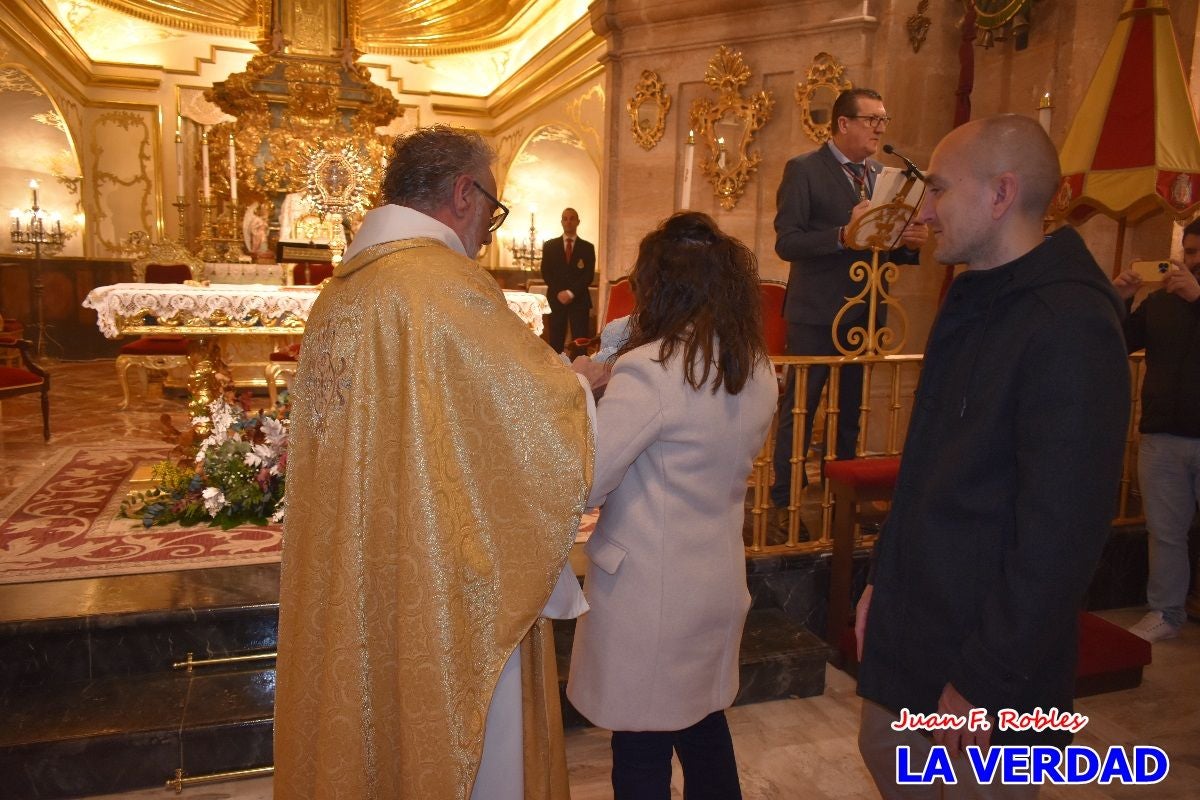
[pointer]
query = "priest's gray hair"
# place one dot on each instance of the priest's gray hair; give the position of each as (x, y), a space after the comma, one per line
(425, 163)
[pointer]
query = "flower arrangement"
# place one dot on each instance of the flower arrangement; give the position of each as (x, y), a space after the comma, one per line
(235, 475)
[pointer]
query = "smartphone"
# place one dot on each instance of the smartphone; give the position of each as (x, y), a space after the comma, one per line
(1151, 271)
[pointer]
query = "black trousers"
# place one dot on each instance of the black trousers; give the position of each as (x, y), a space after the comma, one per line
(815, 340)
(642, 762)
(576, 312)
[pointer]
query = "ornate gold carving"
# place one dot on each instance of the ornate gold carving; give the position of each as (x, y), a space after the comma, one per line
(918, 26)
(731, 120)
(648, 109)
(824, 82)
(167, 252)
(221, 17)
(578, 111)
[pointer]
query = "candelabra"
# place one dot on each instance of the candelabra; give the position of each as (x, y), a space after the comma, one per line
(526, 255)
(41, 236)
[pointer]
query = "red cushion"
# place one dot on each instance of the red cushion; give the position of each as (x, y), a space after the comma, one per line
(13, 326)
(167, 273)
(774, 325)
(15, 378)
(864, 472)
(620, 301)
(156, 346)
(1105, 647)
(317, 272)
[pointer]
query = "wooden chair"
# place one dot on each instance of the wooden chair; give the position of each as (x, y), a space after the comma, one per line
(10, 331)
(620, 300)
(166, 262)
(26, 379)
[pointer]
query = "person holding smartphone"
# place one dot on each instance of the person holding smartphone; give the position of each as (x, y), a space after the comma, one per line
(1167, 325)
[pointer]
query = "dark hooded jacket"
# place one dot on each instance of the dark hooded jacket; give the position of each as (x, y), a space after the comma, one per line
(1006, 490)
(1169, 328)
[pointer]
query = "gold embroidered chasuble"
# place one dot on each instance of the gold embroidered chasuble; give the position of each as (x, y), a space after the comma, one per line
(439, 460)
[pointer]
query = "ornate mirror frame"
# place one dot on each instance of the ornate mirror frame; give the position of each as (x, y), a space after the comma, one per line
(649, 89)
(825, 72)
(727, 73)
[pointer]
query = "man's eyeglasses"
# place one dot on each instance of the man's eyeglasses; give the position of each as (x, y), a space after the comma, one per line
(501, 212)
(874, 120)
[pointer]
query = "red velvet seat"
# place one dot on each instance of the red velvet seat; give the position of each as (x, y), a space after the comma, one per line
(774, 325)
(167, 262)
(1110, 657)
(851, 481)
(620, 300)
(26, 379)
(310, 273)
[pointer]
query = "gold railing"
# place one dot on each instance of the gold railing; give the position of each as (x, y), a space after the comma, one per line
(889, 383)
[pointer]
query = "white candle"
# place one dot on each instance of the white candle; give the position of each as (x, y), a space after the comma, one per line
(689, 153)
(721, 152)
(34, 186)
(232, 171)
(204, 163)
(179, 164)
(1044, 110)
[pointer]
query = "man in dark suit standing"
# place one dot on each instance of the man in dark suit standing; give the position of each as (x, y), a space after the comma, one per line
(822, 194)
(568, 266)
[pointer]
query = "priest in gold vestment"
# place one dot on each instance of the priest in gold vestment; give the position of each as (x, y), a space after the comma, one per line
(439, 460)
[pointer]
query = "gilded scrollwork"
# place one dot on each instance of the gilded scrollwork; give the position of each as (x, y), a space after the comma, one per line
(732, 117)
(648, 109)
(823, 83)
(106, 185)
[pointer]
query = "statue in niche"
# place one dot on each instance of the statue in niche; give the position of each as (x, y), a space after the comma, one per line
(254, 230)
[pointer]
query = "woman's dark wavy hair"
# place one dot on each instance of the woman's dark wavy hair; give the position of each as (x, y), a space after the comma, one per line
(696, 289)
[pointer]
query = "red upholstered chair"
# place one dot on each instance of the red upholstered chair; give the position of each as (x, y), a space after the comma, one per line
(620, 300)
(10, 331)
(851, 481)
(774, 325)
(26, 379)
(166, 262)
(310, 273)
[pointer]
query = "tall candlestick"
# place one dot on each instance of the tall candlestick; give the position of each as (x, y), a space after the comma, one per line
(232, 171)
(689, 153)
(204, 162)
(179, 163)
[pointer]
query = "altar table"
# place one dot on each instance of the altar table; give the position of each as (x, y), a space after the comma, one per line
(208, 315)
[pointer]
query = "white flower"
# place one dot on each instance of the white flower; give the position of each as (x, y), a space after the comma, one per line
(214, 500)
(275, 433)
(278, 515)
(259, 455)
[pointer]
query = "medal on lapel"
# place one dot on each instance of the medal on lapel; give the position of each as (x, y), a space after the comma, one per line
(580, 265)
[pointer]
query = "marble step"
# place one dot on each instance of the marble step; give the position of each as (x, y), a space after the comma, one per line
(778, 659)
(68, 632)
(133, 732)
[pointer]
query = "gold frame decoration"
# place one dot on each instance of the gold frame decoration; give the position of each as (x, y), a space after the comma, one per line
(727, 73)
(649, 89)
(824, 72)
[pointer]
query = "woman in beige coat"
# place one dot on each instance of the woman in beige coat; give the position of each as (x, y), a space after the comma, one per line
(687, 408)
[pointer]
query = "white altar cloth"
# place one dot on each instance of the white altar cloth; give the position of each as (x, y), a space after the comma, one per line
(233, 308)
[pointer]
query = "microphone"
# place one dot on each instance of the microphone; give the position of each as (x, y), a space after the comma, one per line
(912, 170)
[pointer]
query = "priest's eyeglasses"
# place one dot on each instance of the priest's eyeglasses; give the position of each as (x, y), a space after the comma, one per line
(501, 212)
(874, 120)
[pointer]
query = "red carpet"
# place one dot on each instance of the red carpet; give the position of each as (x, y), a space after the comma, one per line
(64, 524)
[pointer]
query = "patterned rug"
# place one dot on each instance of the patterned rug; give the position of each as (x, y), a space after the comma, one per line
(64, 524)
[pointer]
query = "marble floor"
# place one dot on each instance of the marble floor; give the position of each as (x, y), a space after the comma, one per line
(796, 748)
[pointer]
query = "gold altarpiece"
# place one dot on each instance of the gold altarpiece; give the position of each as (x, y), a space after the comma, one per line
(304, 91)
